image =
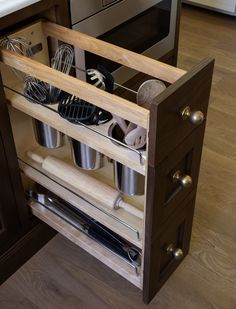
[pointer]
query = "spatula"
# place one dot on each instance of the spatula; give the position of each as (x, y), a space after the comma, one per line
(136, 138)
(109, 86)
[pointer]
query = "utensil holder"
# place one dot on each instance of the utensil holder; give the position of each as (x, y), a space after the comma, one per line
(46, 135)
(127, 180)
(86, 157)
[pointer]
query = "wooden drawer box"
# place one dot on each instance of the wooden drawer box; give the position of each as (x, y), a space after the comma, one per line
(175, 124)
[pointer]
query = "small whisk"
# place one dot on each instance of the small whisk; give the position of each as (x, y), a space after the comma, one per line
(19, 45)
(62, 61)
(36, 91)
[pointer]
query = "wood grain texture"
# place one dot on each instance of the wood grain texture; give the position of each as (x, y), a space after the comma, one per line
(68, 173)
(9, 76)
(174, 144)
(13, 211)
(88, 137)
(167, 127)
(29, 235)
(106, 218)
(22, 126)
(164, 196)
(118, 54)
(158, 264)
(83, 90)
(88, 244)
(63, 276)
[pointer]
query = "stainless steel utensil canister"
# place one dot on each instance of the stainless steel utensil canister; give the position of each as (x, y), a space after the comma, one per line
(127, 180)
(86, 157)
(46, 135)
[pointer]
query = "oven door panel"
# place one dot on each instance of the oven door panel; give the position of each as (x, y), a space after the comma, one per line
(80, 9)
(145, 27)
(109, 18)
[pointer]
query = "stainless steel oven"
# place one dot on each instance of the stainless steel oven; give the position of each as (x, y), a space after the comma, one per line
(143, 26)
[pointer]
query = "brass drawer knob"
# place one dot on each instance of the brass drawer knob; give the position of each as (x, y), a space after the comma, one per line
(184, 180)
(195, 117)
(176, 252)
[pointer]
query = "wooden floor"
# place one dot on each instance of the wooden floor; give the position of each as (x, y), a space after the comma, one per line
(63, 276)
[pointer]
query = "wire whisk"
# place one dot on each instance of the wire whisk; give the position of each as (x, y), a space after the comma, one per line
(62, 61)
(19, 45)
(36, 91)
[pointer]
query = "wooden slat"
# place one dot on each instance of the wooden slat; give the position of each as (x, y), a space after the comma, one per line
(118, 54)
(90, 93)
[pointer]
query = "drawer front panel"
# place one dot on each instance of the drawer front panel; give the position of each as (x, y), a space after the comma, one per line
(182, 162)
(174, 241)
(179, 110)
(168, 249)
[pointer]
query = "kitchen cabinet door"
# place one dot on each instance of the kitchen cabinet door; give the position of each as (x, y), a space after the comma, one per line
(13, 211)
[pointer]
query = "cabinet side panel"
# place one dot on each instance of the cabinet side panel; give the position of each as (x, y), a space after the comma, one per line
(10, 175)
(9, 221)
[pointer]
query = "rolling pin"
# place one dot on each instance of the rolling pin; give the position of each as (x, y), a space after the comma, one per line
(102, 193)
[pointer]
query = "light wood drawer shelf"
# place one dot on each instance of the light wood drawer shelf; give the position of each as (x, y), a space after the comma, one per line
(88, 244)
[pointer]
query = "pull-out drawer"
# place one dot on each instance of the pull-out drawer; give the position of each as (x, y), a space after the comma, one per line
(174, 124)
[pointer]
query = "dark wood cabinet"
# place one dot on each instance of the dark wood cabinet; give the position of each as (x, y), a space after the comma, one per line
(21, 234)
(175, 146)
(13, 210)
(9, 217)
(175, 124)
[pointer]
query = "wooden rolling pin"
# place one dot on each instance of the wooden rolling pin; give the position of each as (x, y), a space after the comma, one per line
(102, 193)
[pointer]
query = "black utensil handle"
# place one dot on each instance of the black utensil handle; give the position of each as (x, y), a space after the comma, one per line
(107, 243)
(100, 231)
(98, 227)
(109, 79)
